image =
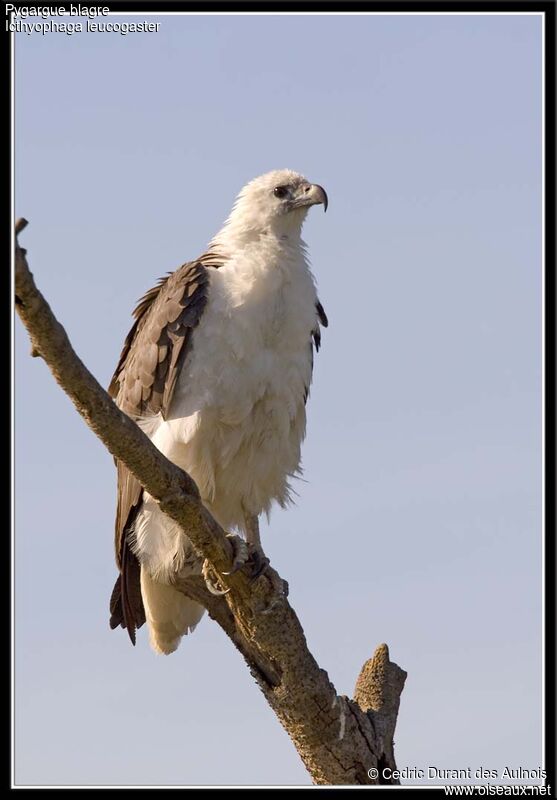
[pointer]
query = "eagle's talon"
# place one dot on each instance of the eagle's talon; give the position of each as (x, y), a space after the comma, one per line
(251, 558)
(280, 589)
(247, 556)
(212, 580)
(258, 563)
(241, 553)
(271, 606)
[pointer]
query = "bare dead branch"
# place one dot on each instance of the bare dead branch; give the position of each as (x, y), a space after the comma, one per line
(20, 225)
(338, 739)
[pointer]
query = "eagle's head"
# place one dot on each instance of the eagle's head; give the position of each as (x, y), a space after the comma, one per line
(276, 202)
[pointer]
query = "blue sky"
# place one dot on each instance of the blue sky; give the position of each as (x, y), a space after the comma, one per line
(419, 519)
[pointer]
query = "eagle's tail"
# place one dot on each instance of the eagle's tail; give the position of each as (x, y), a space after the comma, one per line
(126, 605)
(169, 613)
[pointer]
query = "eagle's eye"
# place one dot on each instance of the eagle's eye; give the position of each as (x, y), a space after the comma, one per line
(280, 191)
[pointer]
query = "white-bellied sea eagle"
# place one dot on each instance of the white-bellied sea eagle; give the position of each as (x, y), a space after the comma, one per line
(216, 369)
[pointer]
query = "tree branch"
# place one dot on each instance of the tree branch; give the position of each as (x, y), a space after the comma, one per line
(338, 739)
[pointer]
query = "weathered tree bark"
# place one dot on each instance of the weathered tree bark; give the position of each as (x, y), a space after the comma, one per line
(341, 741)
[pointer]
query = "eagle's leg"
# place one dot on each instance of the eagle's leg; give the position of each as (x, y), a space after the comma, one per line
(253, 536)
(258, 560)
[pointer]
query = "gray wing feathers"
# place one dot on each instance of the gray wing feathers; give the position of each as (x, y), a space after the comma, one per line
(315, 340)
(143, 384)
(157, 344)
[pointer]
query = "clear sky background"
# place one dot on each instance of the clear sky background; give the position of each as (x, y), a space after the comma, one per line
(419, 520)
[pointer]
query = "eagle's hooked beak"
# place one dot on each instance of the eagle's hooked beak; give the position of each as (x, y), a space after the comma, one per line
(311, 194)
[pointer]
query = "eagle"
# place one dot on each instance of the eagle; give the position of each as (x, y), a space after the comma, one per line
(216, 370)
